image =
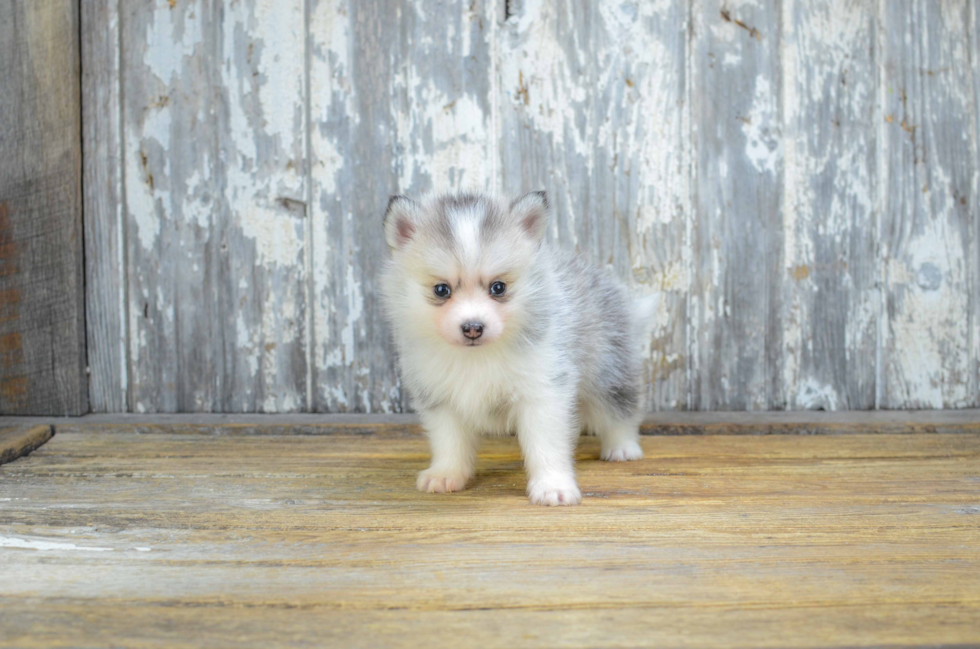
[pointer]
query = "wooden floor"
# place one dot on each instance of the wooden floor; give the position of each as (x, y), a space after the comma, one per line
(150, 539)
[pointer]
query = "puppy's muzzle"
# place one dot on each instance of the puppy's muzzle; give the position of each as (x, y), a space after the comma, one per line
(472, 330)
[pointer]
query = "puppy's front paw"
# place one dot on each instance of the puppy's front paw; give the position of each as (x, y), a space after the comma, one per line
(438, 481)
(622, 452)
(554, 490)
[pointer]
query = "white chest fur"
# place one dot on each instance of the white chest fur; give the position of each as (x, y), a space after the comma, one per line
(484, 387)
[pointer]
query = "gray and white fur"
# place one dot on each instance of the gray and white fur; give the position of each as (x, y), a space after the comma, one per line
(497, 332)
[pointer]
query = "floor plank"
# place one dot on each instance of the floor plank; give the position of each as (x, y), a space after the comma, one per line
(113, 538)
(17, 441)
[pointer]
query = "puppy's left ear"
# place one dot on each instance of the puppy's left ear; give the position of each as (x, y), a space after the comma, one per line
(401, 221)
(531, 212)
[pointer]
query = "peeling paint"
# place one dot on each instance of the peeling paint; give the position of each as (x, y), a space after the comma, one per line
(761, 128)
(802, 204)
(171, 37)
(928, 250)
(815, 396)
(355, 308)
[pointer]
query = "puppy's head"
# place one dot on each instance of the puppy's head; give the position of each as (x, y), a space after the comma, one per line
(462, 265)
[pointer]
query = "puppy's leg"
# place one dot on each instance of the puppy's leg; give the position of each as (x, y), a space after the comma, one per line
(620, 439)
(617, 427)
(547, 431)
(454, 449)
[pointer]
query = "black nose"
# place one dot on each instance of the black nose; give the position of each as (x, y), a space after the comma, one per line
(472, 330)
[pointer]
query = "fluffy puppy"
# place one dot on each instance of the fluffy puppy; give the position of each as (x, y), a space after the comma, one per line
(498, 333)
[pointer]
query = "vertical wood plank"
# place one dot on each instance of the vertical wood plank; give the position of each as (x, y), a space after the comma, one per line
(169, 150)
(400, 103)
(593, 109)
(42, 317)
(830, 298)
(215, 167)
(258, 237)
(546, 115)
(929, 205)
(974, 292)
(738, 230)
(102, 189)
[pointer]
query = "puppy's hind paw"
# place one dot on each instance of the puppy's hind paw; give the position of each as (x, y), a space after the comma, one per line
(435, 481)
(554, 491)
(622, 452)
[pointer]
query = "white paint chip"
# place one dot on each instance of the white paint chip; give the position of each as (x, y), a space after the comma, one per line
(761, 129)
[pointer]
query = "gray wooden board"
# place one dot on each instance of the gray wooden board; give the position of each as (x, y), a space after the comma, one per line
(744, 161)
(42, 337)
(829, 302)
(215, 161)
(975, 283)
(169, 142)
(102, 188)
(738, 219)
(929, 206)
(259, 231)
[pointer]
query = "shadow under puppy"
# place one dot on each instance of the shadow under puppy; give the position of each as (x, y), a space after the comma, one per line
(497, 332)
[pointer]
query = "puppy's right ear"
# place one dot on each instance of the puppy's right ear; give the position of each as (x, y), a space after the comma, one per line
(401, 221)
(531, 211)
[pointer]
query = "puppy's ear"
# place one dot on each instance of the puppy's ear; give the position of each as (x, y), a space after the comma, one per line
(401, 221)
(530, 211)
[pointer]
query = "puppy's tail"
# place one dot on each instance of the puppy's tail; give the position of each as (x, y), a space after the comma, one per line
(644, 319)
(644, 310)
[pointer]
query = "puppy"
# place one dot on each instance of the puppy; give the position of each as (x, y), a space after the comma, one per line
(498, 333)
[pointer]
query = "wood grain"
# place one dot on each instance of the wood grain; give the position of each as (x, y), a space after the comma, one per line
(929, 207)
(745, 162)
(400, 96)
(169, 149)
(721, 541)
(104, 222)
(974, 337)
(262, 220)
(737, 236)
(215, 159)
(19, 441)
(673, 626)
(829, 302)
(42, 312)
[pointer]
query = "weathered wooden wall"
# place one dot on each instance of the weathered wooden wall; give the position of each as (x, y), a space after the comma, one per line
(42, 310)
(799, 181)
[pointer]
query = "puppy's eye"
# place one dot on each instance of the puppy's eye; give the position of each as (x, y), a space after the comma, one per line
(442, 291)
(497, 289)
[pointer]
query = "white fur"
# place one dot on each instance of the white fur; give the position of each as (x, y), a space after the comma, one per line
(552, 359)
